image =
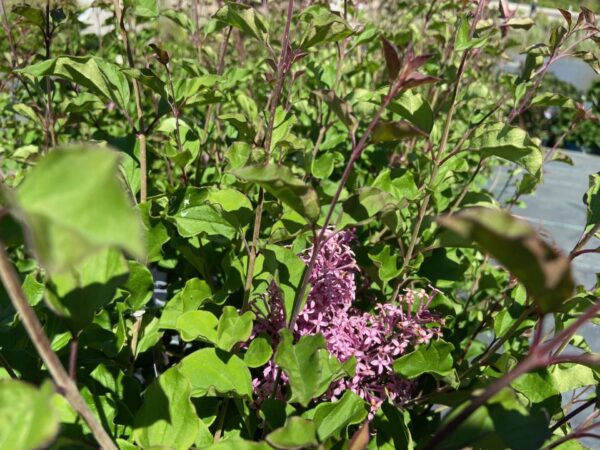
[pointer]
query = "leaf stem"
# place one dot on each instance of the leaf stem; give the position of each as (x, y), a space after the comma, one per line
(354, 156)
(73, 348)
(282, 69)
(443, 143)
(48, 34)
(539, 356)
(34, 329)
(139, 129)
(4, 362)
(574, 413)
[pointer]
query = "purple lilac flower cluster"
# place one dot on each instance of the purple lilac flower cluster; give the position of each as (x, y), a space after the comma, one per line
(374, 339)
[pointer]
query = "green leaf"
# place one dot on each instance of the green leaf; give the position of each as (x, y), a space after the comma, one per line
(239, 444)
(245, 18)
(548, 99)
(237, 155)
(323, 166)
(524, 23)
(322, 26)
(144, 8)
(332, 418)
(280, 182)
(213, 213)
(259, 352)
(302, 364)
(287, 269)
(193, 325)
(34, 16)
(386, 263)
(341, 108)
(364, 206)
(99, 76)
(282, 128)
(567, 377)
(167, 417)
(434, 358)
(401, 188)
(297, 433)
(241, 124)
(28, 419)
(213, 372)
(150, 334)
(502, 423)
(463, 42)
(194, 294)
(139, 285)
(233, 328)
(180, 18)
(392, 428)
(395, 131)
(54, 201)
(414, 108)
(545, 273)
(148, 79)
(537, 386)
(78, 294)
(510, 143)
(33, 290)
(592, 200)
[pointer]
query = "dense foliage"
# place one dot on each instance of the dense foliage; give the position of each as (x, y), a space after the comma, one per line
(267, 225)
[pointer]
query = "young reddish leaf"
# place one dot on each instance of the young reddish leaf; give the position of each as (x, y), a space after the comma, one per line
(416, 79)
(396, 131)
(567, 15)
(360, 440)
(392, 59)
(588, 15)
(505, 11)
(417, 61)
(162, 56)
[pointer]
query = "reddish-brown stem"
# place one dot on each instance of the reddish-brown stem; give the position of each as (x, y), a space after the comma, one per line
(570, 437)
(443, 143)
(273, 102)
(577, 250)
(4, 363)
(354, 156)
(48, 34)
(574, 413)
(540, 356)
(282, 68)
(73, 348)
(64, 383)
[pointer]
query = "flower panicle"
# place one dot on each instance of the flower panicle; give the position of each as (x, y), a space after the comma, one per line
(376, 339)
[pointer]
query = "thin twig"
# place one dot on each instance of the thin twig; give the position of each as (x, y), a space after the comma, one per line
(539, 356)
(73, 348)
(574, 413)
(354, 156)
(4, 362)
(443, 143)
(34, 329)
(139, 129)
(282, 69)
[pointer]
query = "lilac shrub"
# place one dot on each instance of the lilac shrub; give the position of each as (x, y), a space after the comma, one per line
(374, 338)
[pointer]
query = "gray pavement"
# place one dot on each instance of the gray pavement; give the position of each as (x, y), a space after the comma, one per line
(556, 209)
